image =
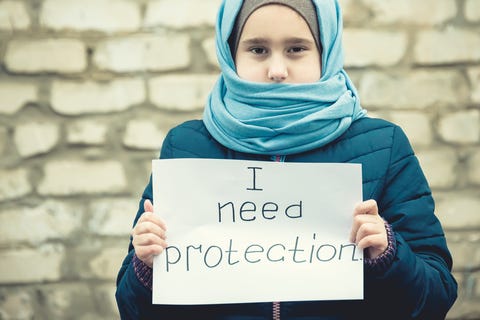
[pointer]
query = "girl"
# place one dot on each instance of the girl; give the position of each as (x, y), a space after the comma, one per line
(283, 95)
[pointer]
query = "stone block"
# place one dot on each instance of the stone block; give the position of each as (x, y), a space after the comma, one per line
(76, 98)
(354, 12)
(466, 306)
(36, 138)
(181, 13)
(112, 217)
(65, 178)
(106, 264)
(464, 309)
(143, 135)
(462, 127)
(452, 45)
(474, 76)
(476, 288)
(373, 48)
(51, 220)
(14, 184)
(87, 132)
(416, 125)
(144, 53)
(208, 46)
(16, 305)
(98, 15)
(415, 90)
(14, 16)
(105, 295)
(22, 266)
(67, 301)
(14, 95)
(458, 210)
(46, 55)
(466, 255)
(181, 92)
(422, 13)
(440, 167)
(3, 140)
(472, 10)
(473, 168)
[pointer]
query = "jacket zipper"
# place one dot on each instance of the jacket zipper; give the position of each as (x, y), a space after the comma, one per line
(276, 310)
(279, 158)
(276, 305)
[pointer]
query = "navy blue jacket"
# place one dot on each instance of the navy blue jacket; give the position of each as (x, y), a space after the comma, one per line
(418, 284)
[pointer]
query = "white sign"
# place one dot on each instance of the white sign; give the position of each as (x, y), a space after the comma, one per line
(253, 231)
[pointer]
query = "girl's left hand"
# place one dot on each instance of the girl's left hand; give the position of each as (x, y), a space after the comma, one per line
(368, 230)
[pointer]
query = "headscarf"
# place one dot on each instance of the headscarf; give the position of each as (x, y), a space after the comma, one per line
(282, 118)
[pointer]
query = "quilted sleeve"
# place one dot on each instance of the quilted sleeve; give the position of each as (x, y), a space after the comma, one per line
(134, 299)
(420, 274)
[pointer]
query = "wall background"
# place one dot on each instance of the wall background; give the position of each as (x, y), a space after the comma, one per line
(89, 88)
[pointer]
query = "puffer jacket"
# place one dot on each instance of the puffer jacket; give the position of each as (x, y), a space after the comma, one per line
(417, 285)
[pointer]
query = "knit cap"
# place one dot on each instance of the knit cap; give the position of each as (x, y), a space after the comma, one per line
(304, 8)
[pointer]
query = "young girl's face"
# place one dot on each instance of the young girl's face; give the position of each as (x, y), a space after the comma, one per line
(276, 45)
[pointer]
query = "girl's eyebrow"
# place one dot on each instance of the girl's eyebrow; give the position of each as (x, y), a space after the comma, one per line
(253, 41)
(299, 41)
(293, 40)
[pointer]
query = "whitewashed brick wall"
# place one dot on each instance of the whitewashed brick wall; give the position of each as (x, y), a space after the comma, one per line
(88, 90)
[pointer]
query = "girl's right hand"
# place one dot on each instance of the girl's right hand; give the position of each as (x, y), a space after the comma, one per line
(148, 235)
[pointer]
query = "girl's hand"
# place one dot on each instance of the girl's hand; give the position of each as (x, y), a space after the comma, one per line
(368, 230)
(149, 235)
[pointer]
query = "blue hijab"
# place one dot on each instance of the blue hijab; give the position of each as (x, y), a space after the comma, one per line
(279, 118)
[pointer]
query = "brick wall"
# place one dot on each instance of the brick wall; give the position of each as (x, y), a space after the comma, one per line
(89, 88)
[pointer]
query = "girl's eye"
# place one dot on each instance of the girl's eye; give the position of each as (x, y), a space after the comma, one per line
(296, 49)
(258, 50)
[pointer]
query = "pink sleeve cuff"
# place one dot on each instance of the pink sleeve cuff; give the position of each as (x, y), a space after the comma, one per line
(381, 263)
(144, 273)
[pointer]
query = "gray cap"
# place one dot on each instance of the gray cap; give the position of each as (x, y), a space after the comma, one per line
(305, 8)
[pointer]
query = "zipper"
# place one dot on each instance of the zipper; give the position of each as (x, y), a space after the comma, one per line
(276, 311)
(276, 305)
(278, 158)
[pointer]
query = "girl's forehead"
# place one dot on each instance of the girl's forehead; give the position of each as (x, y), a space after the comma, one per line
(275, 20)
(305, 9)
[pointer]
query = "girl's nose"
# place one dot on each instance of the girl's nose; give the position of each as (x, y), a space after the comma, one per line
(277, 70)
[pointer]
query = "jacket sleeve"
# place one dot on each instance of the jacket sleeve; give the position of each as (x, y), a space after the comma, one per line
(133, 298)
(420, 274)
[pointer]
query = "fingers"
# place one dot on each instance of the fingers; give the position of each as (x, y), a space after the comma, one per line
(364, 212)
(149, 216)
(371, 234)
(149, 227)
(368, 229)
(146, 253)
(148, 243)
(149, 235)
(366, 207)
(148, 206)
(365, 223)
(148, 239)
(375, 243)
